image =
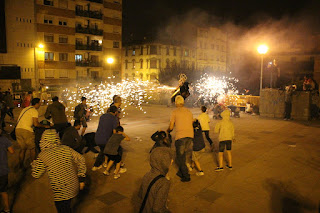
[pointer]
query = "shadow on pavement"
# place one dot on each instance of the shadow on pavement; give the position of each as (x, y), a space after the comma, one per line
(285, 198)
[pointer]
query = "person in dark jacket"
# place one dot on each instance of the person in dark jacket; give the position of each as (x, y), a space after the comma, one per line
(38, 131)
(72, 138)
(161, 140)
(56, 111)
(198, 147)
(80, 112)
(10, 105)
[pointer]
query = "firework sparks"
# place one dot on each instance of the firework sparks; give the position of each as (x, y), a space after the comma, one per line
(212, 89)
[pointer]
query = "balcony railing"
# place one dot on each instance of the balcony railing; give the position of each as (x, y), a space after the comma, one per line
(88, 13)
(88, 30)
(88, 63)
(93, 46)
(96, 1)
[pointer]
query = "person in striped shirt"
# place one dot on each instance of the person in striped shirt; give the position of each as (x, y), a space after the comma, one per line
(59, 160)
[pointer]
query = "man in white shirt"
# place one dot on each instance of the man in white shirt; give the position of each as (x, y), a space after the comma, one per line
(28, 119)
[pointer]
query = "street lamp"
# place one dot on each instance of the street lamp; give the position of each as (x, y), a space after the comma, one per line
(110, 60)
(262, 49)
(36, 70)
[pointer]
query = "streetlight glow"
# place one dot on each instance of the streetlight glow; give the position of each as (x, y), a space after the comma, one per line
(41, 46)
(110, 60)
(263, 49)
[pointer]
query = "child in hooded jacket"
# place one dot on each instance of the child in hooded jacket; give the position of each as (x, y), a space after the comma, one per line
(225, 129)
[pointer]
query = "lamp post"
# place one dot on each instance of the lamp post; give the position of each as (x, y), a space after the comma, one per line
(262, 49)
(36, 70)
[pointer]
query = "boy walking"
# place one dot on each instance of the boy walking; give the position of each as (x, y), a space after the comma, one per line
(5, 145)
(198, 147)
(112, 151)
(225, 129)
(204, 120)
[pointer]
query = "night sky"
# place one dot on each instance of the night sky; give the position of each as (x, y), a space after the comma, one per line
(144, 17)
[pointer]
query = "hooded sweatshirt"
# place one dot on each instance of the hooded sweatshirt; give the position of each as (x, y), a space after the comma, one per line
(225, 127)
(56, 110)
(160, 161)
(59, 160)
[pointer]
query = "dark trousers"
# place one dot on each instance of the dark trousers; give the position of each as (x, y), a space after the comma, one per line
(60, 128)
(63, 206)
(206, 133)
(10, 113)
(182, 146)
(100, 158)
(287, 110)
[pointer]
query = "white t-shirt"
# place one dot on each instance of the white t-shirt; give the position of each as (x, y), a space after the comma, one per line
(204, 121)
(26, 122)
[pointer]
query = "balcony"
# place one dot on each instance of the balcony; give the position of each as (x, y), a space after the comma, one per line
(87, 63)
(88, 13)
(88, 30)
(96, 1)
(92, 46)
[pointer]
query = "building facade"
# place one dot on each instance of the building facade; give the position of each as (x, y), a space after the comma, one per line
(206, 52)
(145, 61)
(69, 40)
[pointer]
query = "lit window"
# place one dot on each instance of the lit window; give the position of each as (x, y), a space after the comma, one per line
(48, 56)
(78, 57)
(133, 51)
(141, 50)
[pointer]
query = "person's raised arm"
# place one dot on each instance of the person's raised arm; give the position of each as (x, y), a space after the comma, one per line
(126, 137)
(10, 150)
(172, 121)
(47, 115)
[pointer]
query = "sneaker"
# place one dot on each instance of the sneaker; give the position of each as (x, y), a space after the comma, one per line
(189, 167)
(116, 176)
(218, 169)
(106, 173)
(95, 155)
(105, 165)
(96, 168)
(229, 167)
(122, 170)
(122, 164)
(201, 173)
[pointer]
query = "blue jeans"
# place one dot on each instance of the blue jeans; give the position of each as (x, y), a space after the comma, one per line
(182, 146)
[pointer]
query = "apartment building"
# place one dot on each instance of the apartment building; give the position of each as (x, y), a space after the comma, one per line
(68, 40)
(211, 48)
(146, 60)
(17, 44)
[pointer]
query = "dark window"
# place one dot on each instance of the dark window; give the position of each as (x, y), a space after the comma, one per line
(168, 51)
(116, 44)
(63, 56)
(48, 38)
(153, 63)
(48, 2)
(133, 64)
(126, 51)
(48, 20)
(141, 50)
(62, 23)
(126, 64)
(174, 51)
(153, 50)
(141, 64)
(63, 39)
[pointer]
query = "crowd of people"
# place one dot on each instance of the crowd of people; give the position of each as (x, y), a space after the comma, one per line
(57, 148)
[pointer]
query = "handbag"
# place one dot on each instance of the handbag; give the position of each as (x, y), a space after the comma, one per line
(147, 193)
(13, 133)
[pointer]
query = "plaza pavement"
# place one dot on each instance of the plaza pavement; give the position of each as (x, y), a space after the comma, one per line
(276, 168)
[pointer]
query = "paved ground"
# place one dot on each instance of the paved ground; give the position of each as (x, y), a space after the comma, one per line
(276, 169)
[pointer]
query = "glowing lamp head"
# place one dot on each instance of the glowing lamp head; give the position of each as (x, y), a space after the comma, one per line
(263, 49)
(41, 46)
(110, 60)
